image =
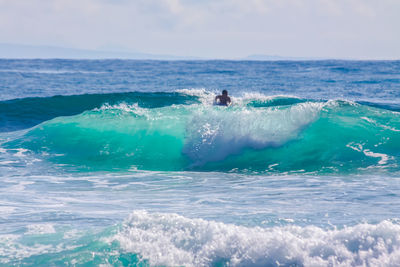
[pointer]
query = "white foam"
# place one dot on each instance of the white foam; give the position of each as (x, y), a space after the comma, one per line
(7, 162)
(359, 148)
(205, 97)
(193, 91)
(170, 239)
(383, 157)
(6, 210)
(10, 248)
(40, 229)
(121, 106)
(380, 125)
(120, 110)
(20, 186)
(260, 96)
(20, 152)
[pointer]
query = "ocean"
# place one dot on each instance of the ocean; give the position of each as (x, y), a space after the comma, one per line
(129, 163)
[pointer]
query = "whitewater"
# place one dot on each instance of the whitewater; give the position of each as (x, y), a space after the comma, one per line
(129, 163)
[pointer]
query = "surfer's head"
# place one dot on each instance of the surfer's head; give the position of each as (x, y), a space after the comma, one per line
(224, 92)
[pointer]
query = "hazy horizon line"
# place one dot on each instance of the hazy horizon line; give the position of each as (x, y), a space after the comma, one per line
(42, 52)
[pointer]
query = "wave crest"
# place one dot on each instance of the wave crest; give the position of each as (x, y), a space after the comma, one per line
(303, 136)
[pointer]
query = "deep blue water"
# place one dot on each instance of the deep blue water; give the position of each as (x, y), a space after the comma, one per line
(129, 163)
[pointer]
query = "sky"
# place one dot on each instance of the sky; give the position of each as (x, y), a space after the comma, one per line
(349, 29)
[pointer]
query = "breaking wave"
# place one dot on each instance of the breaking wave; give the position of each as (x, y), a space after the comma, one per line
(167, 239)
(184, 131)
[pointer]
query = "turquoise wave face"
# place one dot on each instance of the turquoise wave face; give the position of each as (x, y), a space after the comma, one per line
(256, 135)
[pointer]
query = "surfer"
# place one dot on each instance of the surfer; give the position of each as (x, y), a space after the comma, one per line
(224, 99)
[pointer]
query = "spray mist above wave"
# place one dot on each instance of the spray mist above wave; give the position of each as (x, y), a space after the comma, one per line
(257, 134)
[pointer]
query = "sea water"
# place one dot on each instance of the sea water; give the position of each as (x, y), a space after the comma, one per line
(129, 163)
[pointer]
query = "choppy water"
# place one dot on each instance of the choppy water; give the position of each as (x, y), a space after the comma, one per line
(130, 163)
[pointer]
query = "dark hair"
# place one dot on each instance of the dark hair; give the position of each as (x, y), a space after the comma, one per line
(224, 92)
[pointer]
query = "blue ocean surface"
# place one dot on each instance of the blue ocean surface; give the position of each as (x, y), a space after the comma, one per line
(129, 163)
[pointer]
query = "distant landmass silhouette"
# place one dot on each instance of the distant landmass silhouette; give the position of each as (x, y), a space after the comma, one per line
(19, 51)
(275, 57)
(33, 51)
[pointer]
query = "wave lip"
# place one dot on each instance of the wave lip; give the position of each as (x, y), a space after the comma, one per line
(171, 240)
(17, 114)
